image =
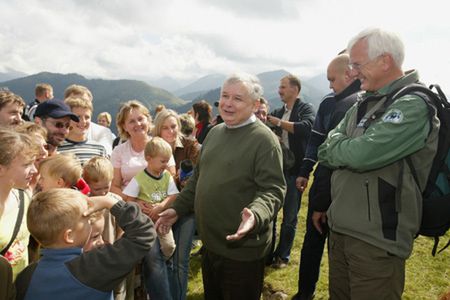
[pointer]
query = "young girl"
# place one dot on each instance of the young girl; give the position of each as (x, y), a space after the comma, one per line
(17, 156)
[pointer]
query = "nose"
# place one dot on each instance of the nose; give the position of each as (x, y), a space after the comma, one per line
(17, 117)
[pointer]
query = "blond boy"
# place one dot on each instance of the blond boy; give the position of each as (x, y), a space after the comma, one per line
(98, 174)
(59, 220)
(154, 188)
(61, 171)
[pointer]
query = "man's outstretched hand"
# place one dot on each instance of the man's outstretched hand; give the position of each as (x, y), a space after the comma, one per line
(247, 224)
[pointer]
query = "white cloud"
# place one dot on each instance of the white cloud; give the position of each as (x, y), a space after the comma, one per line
(192, 38)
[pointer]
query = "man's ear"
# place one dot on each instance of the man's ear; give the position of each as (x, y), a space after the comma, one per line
(388, 62)
(68, 236)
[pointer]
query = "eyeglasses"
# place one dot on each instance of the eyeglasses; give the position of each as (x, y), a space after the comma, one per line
(358, 67)
(60, 125)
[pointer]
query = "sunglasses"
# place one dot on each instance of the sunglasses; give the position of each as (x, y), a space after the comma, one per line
(59, 124)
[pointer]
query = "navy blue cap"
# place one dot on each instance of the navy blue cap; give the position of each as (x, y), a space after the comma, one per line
(55, 109)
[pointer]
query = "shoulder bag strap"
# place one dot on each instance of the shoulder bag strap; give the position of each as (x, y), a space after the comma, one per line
(18, 222)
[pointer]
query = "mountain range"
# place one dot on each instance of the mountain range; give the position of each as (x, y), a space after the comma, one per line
(108, 94)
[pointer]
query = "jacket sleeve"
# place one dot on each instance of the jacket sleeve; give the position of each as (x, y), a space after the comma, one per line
(316, 138)
(321, 198)
(184, 203)
(384, 142)
(305, 118)
(104, 268)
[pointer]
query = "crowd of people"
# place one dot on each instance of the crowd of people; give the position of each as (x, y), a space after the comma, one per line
(86, 214)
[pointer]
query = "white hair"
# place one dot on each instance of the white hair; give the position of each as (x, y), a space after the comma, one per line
(381, 42)
(251, 82)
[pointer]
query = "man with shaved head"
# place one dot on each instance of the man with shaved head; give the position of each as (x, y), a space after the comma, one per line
(331, 111)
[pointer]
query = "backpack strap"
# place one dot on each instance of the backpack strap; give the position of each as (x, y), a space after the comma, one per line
(18, 222)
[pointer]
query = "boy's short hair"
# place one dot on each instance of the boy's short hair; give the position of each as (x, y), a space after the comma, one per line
(52, 212)
(42, 88)
(157, 146)
(77, 101)
(78, 90)
(98, 168)
(64, 166)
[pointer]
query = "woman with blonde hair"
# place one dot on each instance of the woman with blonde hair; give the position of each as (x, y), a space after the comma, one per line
(17, 155)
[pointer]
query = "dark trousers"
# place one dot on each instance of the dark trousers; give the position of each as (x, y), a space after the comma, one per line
(227, 279)
(311, 254)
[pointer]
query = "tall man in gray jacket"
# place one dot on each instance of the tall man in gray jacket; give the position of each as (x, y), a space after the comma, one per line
(376, 204)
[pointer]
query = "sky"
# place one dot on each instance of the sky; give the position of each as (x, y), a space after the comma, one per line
(188, 39)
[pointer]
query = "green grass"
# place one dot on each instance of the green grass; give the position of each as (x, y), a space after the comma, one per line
(427, 277)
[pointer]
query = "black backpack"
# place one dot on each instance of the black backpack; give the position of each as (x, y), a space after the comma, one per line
(436, 196)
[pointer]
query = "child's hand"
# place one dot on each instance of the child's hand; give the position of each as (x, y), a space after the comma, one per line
(145, 207)
(156, 210)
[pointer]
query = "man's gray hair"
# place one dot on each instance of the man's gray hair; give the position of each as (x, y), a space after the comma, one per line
(381, 42)
(251, 82)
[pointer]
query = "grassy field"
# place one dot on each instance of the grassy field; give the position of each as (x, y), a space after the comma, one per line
(427, 277)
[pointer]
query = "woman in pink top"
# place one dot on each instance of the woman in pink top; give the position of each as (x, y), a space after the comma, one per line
(134, 124)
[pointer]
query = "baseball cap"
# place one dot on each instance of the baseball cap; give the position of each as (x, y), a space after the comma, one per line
(55, 109)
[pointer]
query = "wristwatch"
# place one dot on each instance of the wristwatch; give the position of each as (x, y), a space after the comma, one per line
(279, 123)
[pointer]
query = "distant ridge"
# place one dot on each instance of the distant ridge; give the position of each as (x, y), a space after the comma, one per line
(108, 94)
(201, 85)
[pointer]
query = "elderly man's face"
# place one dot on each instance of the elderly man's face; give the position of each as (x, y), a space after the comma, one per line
(236, 105)
(368, 71)
(11, 114)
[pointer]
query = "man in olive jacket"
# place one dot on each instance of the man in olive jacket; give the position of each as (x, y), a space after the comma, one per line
(376, 204)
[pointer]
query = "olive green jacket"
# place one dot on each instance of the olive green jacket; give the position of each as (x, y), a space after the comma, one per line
(374, 195)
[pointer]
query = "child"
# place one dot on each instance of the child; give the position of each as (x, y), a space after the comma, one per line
(61, 171)
(59, 220)
(98, 174)
(154, 188)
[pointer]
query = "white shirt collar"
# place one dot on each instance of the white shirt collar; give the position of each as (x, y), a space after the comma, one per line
(250, 120)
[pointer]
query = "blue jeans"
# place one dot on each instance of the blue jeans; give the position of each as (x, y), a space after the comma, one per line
(183, 232)
(154, 268)
(291, 207)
